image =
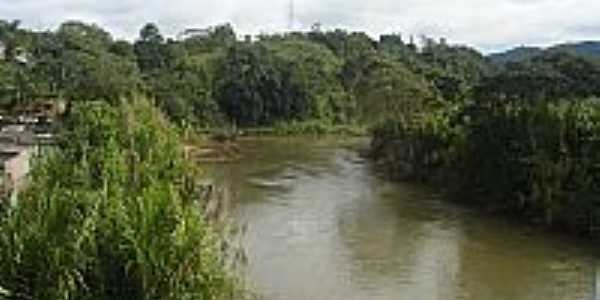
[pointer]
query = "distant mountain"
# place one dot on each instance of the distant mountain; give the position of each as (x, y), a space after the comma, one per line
(587, 48)
(515, 55)
(584, 48)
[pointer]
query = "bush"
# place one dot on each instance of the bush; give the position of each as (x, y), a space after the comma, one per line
(541, 160)
(112, 215)
(419, 146)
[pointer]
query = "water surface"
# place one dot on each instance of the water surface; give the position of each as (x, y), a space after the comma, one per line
(322, 224)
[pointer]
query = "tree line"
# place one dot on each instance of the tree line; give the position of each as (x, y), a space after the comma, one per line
(524, 140)
(330, 77)
(520, 135)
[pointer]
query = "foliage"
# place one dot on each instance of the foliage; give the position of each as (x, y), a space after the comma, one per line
(150, 49)
(111, 216)
(389, 89)
(548, 76)
(186, 93)
(269, 82)
(212, 78)
(521, 138)
(421, 145)
(540, 160)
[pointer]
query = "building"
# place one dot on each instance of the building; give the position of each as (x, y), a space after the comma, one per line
(42, 109)
(2, 50)
(24, 133)
(15, 165)
(191, 33)
(17, 148)
(21, 56)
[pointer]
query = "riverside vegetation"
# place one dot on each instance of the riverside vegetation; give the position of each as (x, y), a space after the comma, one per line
(525, 141)
(315, 82)
(113, 213)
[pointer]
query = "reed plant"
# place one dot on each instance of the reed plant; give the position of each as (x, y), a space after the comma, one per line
(112, 213)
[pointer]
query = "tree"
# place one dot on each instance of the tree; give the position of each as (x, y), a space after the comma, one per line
(8, 84)
(313, 70)
(223, 34)
(343, 44)
(186, 92)
(550, 76)
(150, 49)
(81, 62)
(123, 49)
(107, 77)
(84, 37)
(270, 82)
(385, 88)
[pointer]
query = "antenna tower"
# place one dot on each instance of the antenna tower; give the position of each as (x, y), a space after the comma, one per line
(292, 16)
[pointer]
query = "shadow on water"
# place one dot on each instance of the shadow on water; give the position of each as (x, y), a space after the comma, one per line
(323, 225)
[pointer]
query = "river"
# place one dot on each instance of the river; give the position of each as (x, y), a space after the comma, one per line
(323, 224)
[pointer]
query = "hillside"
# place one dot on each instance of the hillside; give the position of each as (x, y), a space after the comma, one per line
(587, 48)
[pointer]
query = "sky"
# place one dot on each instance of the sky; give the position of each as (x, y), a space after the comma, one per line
(487, 25)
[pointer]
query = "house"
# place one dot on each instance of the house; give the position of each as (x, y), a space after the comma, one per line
(17, 148)
(21, 56)
(42, 109)
(194, 33)
(14, 164)
(2, 50)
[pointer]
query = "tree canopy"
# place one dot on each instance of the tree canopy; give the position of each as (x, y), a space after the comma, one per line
(334, 77)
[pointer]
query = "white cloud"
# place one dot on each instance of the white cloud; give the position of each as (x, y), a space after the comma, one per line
(485, 24)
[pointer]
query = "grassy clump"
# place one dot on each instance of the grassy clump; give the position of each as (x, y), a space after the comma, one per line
(112, 214)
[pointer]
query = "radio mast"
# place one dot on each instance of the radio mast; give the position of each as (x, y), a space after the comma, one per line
(292, 16)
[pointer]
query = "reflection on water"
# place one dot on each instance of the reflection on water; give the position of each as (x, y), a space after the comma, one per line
(323, 225)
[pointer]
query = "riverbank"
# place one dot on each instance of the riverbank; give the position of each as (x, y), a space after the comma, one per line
(221, 145)
(287, 129)
(116, 212)
(538, 162)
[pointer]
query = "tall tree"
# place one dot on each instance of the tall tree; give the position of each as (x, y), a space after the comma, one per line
(150, 49)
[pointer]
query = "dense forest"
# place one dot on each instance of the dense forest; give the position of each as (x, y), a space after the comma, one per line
(326, 78)
(523, 140)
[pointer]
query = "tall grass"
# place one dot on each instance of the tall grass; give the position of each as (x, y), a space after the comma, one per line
(112, 214)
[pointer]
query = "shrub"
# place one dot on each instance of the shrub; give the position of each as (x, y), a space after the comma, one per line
(111, 215)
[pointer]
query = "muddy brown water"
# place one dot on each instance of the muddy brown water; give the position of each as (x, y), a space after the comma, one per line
(323, 224)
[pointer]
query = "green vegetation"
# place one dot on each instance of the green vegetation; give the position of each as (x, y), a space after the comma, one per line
(338, 79)
(112, 214)
(523, 141)
(520, 54)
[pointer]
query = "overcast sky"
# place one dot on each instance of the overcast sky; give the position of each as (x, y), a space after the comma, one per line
(489, 25)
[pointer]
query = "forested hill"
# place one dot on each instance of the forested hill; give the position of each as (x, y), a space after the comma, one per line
(524, 141)
(515, 55)
(519, 54)
(327, 78)
(218, 78)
